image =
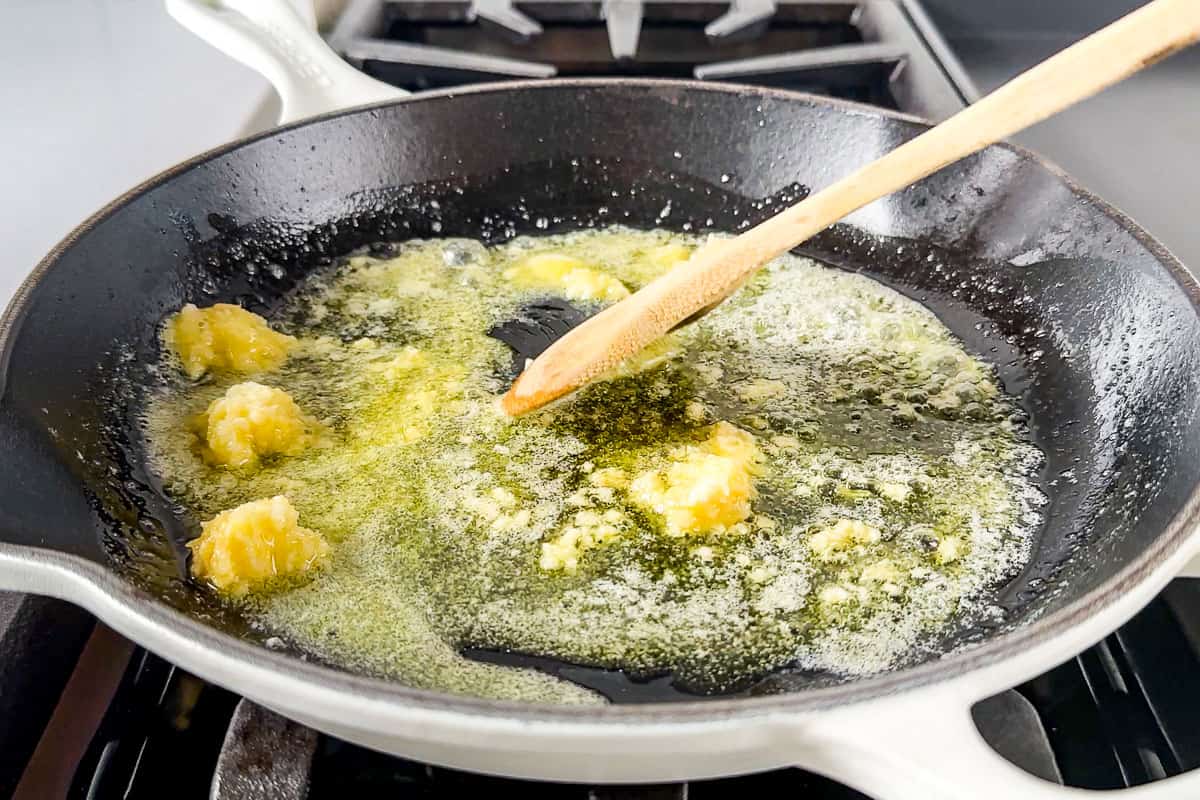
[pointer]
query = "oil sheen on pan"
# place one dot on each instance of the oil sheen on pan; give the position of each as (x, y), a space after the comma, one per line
(816, 475)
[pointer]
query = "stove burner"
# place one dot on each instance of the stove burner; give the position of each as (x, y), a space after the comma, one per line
(743, 16)
(623, 19)
(883, 51)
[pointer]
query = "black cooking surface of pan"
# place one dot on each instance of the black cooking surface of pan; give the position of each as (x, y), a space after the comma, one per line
(1090, 324)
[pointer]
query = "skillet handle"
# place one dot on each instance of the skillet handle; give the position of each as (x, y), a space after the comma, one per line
(1190, 569)
(930, 749)
(272, 38)
(923, 744)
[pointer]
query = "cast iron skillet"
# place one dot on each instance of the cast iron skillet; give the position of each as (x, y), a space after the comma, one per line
(1090, 322)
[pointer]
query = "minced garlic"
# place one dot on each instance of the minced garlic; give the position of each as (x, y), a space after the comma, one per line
(251, 421)
(948, 550)
(569, 275)
(832, 542)
(885, 575)
(666, 256)
(408, 359)
(224, 337)
(707, 487)
(610, 477)
(245, 547)
(588, 529)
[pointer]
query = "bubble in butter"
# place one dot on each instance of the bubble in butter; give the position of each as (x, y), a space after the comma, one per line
(816, 473)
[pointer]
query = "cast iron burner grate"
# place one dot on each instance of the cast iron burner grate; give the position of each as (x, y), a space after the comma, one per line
(884, 52)
(1121, 714)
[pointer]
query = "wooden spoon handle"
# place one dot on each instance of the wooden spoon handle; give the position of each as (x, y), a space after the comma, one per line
(1093, 64)
(717, 270)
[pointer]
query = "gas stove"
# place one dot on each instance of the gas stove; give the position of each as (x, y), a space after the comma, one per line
(885, 52)
(86, 714)
(130, 725)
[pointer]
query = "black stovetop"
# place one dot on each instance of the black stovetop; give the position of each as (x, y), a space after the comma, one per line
(1110, 718)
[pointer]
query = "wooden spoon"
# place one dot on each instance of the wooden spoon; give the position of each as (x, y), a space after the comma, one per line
(716, 270)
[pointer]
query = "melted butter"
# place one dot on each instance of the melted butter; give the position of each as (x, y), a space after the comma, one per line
(890, 489)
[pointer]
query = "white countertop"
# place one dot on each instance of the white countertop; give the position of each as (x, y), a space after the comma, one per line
(97, 96)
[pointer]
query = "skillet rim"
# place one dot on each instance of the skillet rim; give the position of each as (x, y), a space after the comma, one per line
(107, 581)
